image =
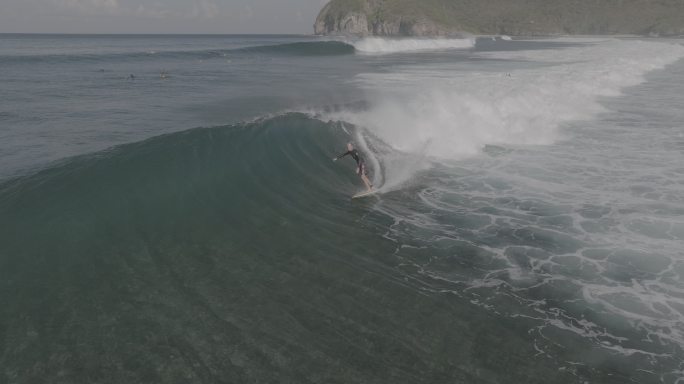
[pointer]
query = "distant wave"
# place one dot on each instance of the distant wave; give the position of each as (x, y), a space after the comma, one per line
(375, 45)
(106, 57)
(305, 48)
(316, 48)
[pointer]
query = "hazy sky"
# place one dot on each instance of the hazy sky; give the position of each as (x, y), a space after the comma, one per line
(158, 16)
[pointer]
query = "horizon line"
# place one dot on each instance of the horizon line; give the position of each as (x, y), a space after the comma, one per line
(156, 34)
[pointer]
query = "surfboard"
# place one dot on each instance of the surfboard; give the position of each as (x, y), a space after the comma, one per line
(364, 194)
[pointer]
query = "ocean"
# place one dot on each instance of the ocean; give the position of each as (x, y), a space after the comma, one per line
(170, 211)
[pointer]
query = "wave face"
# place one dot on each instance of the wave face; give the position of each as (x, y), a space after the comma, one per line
(192, 238)
(225, 251)
(323, 48)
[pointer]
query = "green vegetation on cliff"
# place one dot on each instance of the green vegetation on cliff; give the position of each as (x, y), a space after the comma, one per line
(340, 7)
(513, 17)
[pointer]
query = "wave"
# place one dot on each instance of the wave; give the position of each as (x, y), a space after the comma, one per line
(213, 230)
(278, 165)
(245, 183)
(61, 58)
(447, 113)
(294, 145)
(318, 48)
(252, 223)
(237, 249)
(376, 45)
(244, 238)
(371, 45)
(96, 58)
(302, 48)
(307, 48)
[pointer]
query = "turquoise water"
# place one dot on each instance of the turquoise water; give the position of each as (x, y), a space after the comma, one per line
(192, 228)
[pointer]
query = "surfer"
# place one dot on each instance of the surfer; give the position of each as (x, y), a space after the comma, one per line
(360, 164)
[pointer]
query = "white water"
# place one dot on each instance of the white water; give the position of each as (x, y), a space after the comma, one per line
(451, 111)
(580, 210)
(374, 45)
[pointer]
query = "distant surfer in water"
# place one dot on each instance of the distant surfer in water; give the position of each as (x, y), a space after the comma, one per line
(360, 164)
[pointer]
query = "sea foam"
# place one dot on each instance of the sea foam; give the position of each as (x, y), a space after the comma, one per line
(375, 45)
(447, 112)
(451, 112)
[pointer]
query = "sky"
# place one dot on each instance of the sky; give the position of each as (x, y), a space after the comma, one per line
(159, 16)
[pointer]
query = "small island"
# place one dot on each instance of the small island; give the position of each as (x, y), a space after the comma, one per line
(501, 17)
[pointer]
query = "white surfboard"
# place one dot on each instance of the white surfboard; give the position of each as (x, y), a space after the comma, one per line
(365, 193)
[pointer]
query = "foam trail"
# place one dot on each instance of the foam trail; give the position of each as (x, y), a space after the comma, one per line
(449, 113)
(375, 45)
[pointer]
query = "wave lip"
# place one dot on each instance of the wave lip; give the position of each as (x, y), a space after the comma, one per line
(377, 45)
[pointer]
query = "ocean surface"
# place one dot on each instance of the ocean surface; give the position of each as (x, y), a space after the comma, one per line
(169, 210)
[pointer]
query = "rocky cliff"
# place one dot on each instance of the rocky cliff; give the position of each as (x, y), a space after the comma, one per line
(509, 17)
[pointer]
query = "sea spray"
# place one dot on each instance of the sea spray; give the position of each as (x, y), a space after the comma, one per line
(445, 113)
(376, 45)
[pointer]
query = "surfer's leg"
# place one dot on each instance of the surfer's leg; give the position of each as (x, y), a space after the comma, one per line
(367, 182)
(364, 176)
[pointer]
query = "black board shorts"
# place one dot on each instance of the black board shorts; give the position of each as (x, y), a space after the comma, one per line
(362, 169)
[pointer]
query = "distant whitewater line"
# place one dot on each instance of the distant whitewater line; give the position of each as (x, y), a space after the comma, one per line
(376, 45)
(370, 45)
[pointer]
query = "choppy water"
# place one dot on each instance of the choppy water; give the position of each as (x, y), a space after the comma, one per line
(192, 228)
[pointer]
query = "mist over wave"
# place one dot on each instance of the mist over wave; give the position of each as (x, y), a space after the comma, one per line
(445, 113)
(377, 45)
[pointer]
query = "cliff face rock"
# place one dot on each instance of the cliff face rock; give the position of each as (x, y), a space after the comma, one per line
(353, 23)
(370, 17)
(358, 24)
(510, 17)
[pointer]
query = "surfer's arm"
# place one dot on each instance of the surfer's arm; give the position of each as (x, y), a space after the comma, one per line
(342, 155)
